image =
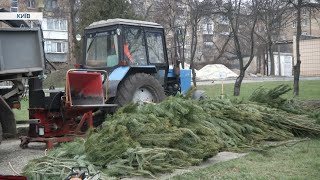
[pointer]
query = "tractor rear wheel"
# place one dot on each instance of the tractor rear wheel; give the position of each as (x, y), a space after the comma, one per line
(139, 88)
(8, 123)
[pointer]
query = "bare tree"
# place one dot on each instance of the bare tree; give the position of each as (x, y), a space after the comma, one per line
(298, 5)
(243, 19)
(182, 43)
(197, 10)
(195, 17)
(74, 7)
(165, 13)
(272, 16)
(144, 11)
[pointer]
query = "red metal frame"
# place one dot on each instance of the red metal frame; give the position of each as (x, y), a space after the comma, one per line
(87, 117)
(64, 125)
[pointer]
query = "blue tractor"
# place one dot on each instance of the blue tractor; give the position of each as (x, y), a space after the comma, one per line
(135, 56)
(124, 61)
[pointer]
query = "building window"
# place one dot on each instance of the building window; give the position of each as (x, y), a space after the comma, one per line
(55, 47)
(294, 24)
(187, 42)
(304, 11)
(204, 27)
(57, 24)
(210, 28)
(51, 4)
(199, 51)
(14, 6)
(224, 20)
(304, 22)
(207, 38)
(187, 55)
(304, 33)
(32, 4)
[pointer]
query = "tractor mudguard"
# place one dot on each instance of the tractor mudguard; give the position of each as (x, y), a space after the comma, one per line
(122, 72)
(115, 78)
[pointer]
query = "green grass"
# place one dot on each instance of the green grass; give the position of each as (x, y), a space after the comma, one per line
(309, 90)
(300, 161)
(23, 113)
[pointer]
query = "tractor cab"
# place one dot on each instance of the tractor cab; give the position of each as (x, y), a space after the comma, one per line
(120, 42)
(126, 47)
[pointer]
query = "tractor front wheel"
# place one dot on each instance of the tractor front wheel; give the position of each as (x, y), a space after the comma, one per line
(139, 88)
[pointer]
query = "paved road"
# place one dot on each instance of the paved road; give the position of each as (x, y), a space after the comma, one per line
(11, 152)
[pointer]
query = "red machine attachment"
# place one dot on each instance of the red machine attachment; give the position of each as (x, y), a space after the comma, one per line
(83, 95)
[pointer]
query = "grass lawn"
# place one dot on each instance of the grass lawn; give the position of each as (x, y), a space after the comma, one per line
(309, 90)
(23, 113)
(299, 161)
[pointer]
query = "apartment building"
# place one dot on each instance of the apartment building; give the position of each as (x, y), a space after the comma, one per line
(55, 30)
(310, 23)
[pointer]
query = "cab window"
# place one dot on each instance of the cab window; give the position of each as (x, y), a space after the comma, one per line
(102, 49)
(134, 46)
(155, 47)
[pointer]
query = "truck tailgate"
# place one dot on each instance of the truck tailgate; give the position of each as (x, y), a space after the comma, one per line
(21, 51)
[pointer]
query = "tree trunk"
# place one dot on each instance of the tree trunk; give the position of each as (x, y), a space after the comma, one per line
(296, 77)
(270, 51)
(237, 84)
(194, 41)
(183, 59)
(194, 77)
(296, 68)
(266, 63)
(71, 28)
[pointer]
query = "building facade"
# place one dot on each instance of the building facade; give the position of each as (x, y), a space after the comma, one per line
(310, 24)
(55, 30)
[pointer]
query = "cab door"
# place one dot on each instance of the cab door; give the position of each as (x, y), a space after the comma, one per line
(157, 52)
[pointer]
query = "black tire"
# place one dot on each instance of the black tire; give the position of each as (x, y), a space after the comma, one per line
(0, 133)
(136, 82)
(8, 122)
